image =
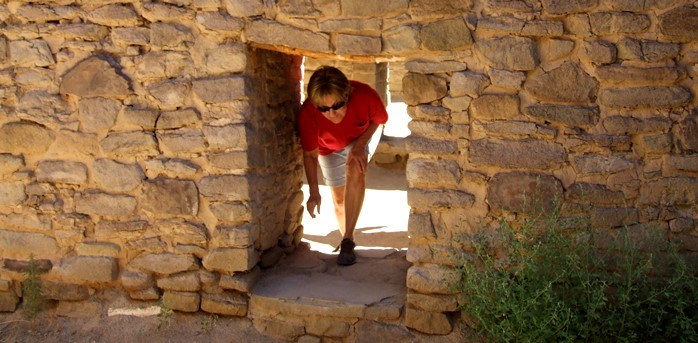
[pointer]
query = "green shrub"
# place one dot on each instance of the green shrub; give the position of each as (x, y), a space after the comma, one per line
(32, 298)
(544, 282)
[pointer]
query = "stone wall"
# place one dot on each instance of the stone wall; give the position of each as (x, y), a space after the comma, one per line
(149, 145)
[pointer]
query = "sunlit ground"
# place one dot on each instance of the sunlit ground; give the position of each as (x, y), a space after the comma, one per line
(382, 225)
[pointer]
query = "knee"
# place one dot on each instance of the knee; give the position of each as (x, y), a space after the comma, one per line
(355, 175)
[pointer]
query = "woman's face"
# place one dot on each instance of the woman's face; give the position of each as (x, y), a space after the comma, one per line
(330, 103)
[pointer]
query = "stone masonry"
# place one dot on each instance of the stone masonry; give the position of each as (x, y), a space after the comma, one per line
(149, 146)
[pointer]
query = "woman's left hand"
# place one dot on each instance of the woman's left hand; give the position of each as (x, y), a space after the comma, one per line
(358, 158)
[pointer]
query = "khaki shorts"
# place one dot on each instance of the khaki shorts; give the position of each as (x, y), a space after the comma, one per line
(334, 165)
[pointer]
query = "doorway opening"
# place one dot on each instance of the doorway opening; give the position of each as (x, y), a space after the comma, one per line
(381, 230)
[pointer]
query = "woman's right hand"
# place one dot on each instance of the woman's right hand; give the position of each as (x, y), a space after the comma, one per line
(312, 204)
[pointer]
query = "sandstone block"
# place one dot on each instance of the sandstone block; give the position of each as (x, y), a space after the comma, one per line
(418, 88)
(433, 279)
(220, 22)
(574, 116)
(600, 52)
(658, 144)
(163, 64)
(567, 83)
(326, 327)
(630, 125)
(10, 163)
(154, 11)
(114, 15)
(97, 249)
(117, 177)
(648, 96)
(501, 24)
(637, 76)
(687, 134)
(8, 301)
(107, 229)
(428, 322)
(439, 8)
(94, 77)
(180, 141)
(12, 193)
(442, 173)
(423, 128)
(448, 198)
(446, 35)
(432, 302)
(42, 14)
(30, 53)
(226, 59)
(676, 190)
(589, 193)
(134, 143)
(242, 282)
(62, 291)
(170, 167)
(182, 232)
(358, 45)
(229, 304)
(239, 236)
(182, 301)
(606, 218)
(420, 226)
(681, 225)
(509, 52)
(244, 8)
(230, 260)
(568, 6)
(233, 211)
(349, 25)
(431, 67)
(601, 164)
(274, 33)
(524, 192)
(288, 331)
(227, 137)
(680, 24)
(510, 80)
(358, 8)
(523, 129)
(457, 104)
(124, 36)
(133, 280)
(555, 49)
(145, 295)
(104, 204)
(606, 23)
(164, 263)
(468, 83)
(424, 145)
(87, 269)
(220, 90)
(400, 39)
(496, 107)
(169, 94)
(25, 138)
(429, 113)
(687, 163)
(170, 35)
(96, 114)
(134, 119)
(170, 196)
(543, 28)
(228, 187)
(183, 282)
(25, 244)
(68, 172)
(367, 331)
(536, 154)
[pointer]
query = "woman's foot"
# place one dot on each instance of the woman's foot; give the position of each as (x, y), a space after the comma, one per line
(346, 253)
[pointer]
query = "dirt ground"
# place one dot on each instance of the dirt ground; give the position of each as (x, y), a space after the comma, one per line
(179, 327)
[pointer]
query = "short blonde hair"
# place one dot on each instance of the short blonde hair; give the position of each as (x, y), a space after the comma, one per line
(328, 81)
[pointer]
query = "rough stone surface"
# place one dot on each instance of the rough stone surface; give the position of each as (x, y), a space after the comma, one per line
(648, 96)
(104, 204)
(605, 23)
(432, 279)
(25, 138)
(229, 304)
(565, 6)
(117, 177)
(135, 143)
(8, 301)
(12, 193)
(273, 33)
(524, 192)
(184, 282)
(495, 107)
(164, 263)
(87, 269)
(94, 77)
(182, 301)
(428, 322)
(418, 88)
(509, 52)
(230, 260)
(67, 172)
(574, 116)
(468, 83)
(97, 114)
(63, 291)
(446, 35)
(535, 154)
(568, 83)
(22, 245)
(170, 197)
(680, 24)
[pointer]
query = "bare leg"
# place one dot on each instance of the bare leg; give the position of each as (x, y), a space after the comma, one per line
(355, 190)
(339, 212)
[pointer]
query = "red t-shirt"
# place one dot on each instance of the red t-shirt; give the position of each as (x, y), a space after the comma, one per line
(316, 131)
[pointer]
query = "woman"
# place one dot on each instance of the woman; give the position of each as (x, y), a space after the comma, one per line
(336, 123)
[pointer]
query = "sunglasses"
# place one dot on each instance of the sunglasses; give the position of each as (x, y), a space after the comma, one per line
(335, 107)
